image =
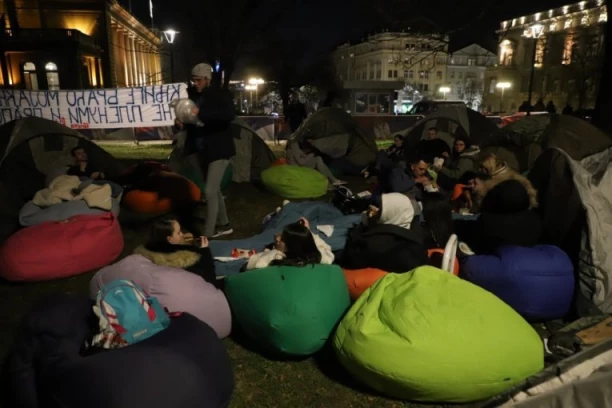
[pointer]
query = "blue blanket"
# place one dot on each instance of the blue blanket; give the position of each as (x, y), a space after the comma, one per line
(317, 213)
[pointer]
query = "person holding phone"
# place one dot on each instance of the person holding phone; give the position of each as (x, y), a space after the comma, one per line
(168, 246)
(296, 245)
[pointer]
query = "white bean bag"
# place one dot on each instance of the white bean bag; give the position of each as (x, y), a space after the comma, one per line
(176, 289)
(31, 214)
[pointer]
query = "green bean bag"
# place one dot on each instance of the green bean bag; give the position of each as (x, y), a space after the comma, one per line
(289, 310)
(429, 336)
(194, 174)
(294, 182)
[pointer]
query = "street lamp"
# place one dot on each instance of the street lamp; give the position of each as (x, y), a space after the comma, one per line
(535, 32)
(170, 37)
(255, 82)
(445, 90)
(503, 86)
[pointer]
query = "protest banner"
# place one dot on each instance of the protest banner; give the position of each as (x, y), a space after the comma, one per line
(144, 106)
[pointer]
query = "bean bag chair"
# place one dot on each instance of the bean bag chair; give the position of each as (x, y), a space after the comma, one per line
(294, 182)
(429, 336)
(176, 289)
(360, 280)
(31, 214)
(288, 310)
(153, 200)
(195, 175)
(279, 162)
(185, 365)
(537, 282)
(60, 249)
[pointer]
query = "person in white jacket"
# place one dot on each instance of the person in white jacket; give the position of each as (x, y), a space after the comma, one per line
(295, 246)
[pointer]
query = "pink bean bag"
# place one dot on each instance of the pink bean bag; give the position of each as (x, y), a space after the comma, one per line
(61, 249)
(176, 289)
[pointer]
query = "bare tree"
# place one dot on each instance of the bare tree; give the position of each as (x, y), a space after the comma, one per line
(473, 91)
(584, 59)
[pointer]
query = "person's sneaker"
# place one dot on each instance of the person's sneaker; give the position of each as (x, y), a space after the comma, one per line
(223, 230)
(338, 183)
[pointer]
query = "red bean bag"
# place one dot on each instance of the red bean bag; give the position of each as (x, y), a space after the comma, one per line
(279, 162)
(174, 190)
(60, 249)
(360, 280)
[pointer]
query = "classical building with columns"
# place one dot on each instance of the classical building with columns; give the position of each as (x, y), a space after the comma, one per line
(54, 44)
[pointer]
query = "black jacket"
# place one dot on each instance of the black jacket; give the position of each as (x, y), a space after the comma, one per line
(386, 247)
(213, 141)
(430, 149)
(188, 257)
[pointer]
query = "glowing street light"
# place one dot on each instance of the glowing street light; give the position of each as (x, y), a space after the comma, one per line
(445, 90)
(535, 31)
(503, 86)
(170, 37)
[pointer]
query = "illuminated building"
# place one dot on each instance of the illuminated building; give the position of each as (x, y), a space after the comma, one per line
(59, 44)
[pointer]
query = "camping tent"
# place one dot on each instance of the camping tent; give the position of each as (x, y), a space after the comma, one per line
(521, 142)
(33, 151)
(449, 121)
(338, 136)
(582, 380)
(252, 154)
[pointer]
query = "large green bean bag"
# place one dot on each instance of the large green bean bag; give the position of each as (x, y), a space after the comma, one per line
(294, 182)
(429, 336)
(288, 310)
(194, 174)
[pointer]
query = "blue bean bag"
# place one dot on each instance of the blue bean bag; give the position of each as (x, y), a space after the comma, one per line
(317, 213)
(185, 365)
(537, 282)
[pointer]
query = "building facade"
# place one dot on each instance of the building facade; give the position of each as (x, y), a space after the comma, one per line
(389, 72)
(466, 74)
(54, 44)
(567, 59)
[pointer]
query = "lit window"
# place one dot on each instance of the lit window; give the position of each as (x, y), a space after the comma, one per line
(52, 76)
(552, 27)
(584, 20)
(29, 76)
(537, 16)
(513, 22)
(568, 23)
(603, 17)
(522, 20)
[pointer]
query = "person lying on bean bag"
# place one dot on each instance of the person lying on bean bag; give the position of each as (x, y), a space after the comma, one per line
(168, 246)
(295, 246)
(386, 240)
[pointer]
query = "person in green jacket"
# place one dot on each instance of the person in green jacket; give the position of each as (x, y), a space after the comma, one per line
(462, 160)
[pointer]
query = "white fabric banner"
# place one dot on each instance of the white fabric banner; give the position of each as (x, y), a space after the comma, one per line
(145, 106)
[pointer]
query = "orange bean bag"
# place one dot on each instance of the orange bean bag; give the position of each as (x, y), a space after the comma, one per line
(279, 162)
(431, 252)
(153, 202)
(360, 280)
(458, 190)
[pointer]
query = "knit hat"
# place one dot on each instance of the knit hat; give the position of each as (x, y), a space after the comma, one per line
(202, 71)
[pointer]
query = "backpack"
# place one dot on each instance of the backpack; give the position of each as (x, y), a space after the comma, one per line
(348, 202)
(127, 315)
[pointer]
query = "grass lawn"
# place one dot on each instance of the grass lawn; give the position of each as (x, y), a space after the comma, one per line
(313, 382)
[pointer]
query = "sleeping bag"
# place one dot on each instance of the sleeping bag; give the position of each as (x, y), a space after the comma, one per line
(429, 336)
(185, 365)
(537, 282)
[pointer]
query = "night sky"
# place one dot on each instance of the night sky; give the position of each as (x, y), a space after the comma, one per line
(321, 25)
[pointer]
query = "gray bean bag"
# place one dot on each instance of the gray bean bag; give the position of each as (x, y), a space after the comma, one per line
(32, 214)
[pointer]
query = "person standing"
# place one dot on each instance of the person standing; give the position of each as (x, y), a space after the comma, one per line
(213, 143)
(295, 113)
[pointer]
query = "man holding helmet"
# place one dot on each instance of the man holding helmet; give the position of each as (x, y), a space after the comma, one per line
(213, 143)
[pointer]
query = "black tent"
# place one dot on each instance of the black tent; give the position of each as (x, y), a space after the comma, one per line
(33, 151)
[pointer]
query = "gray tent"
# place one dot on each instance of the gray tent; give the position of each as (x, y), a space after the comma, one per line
(337, 135)
(521, 142)
(583, 380)
(252, 154)
(449, 121)
(33, 151)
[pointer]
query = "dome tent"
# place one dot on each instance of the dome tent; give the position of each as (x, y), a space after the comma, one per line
(337, 135)
(33, 151)
(448, 121)
(522, 141)
(252, 154)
